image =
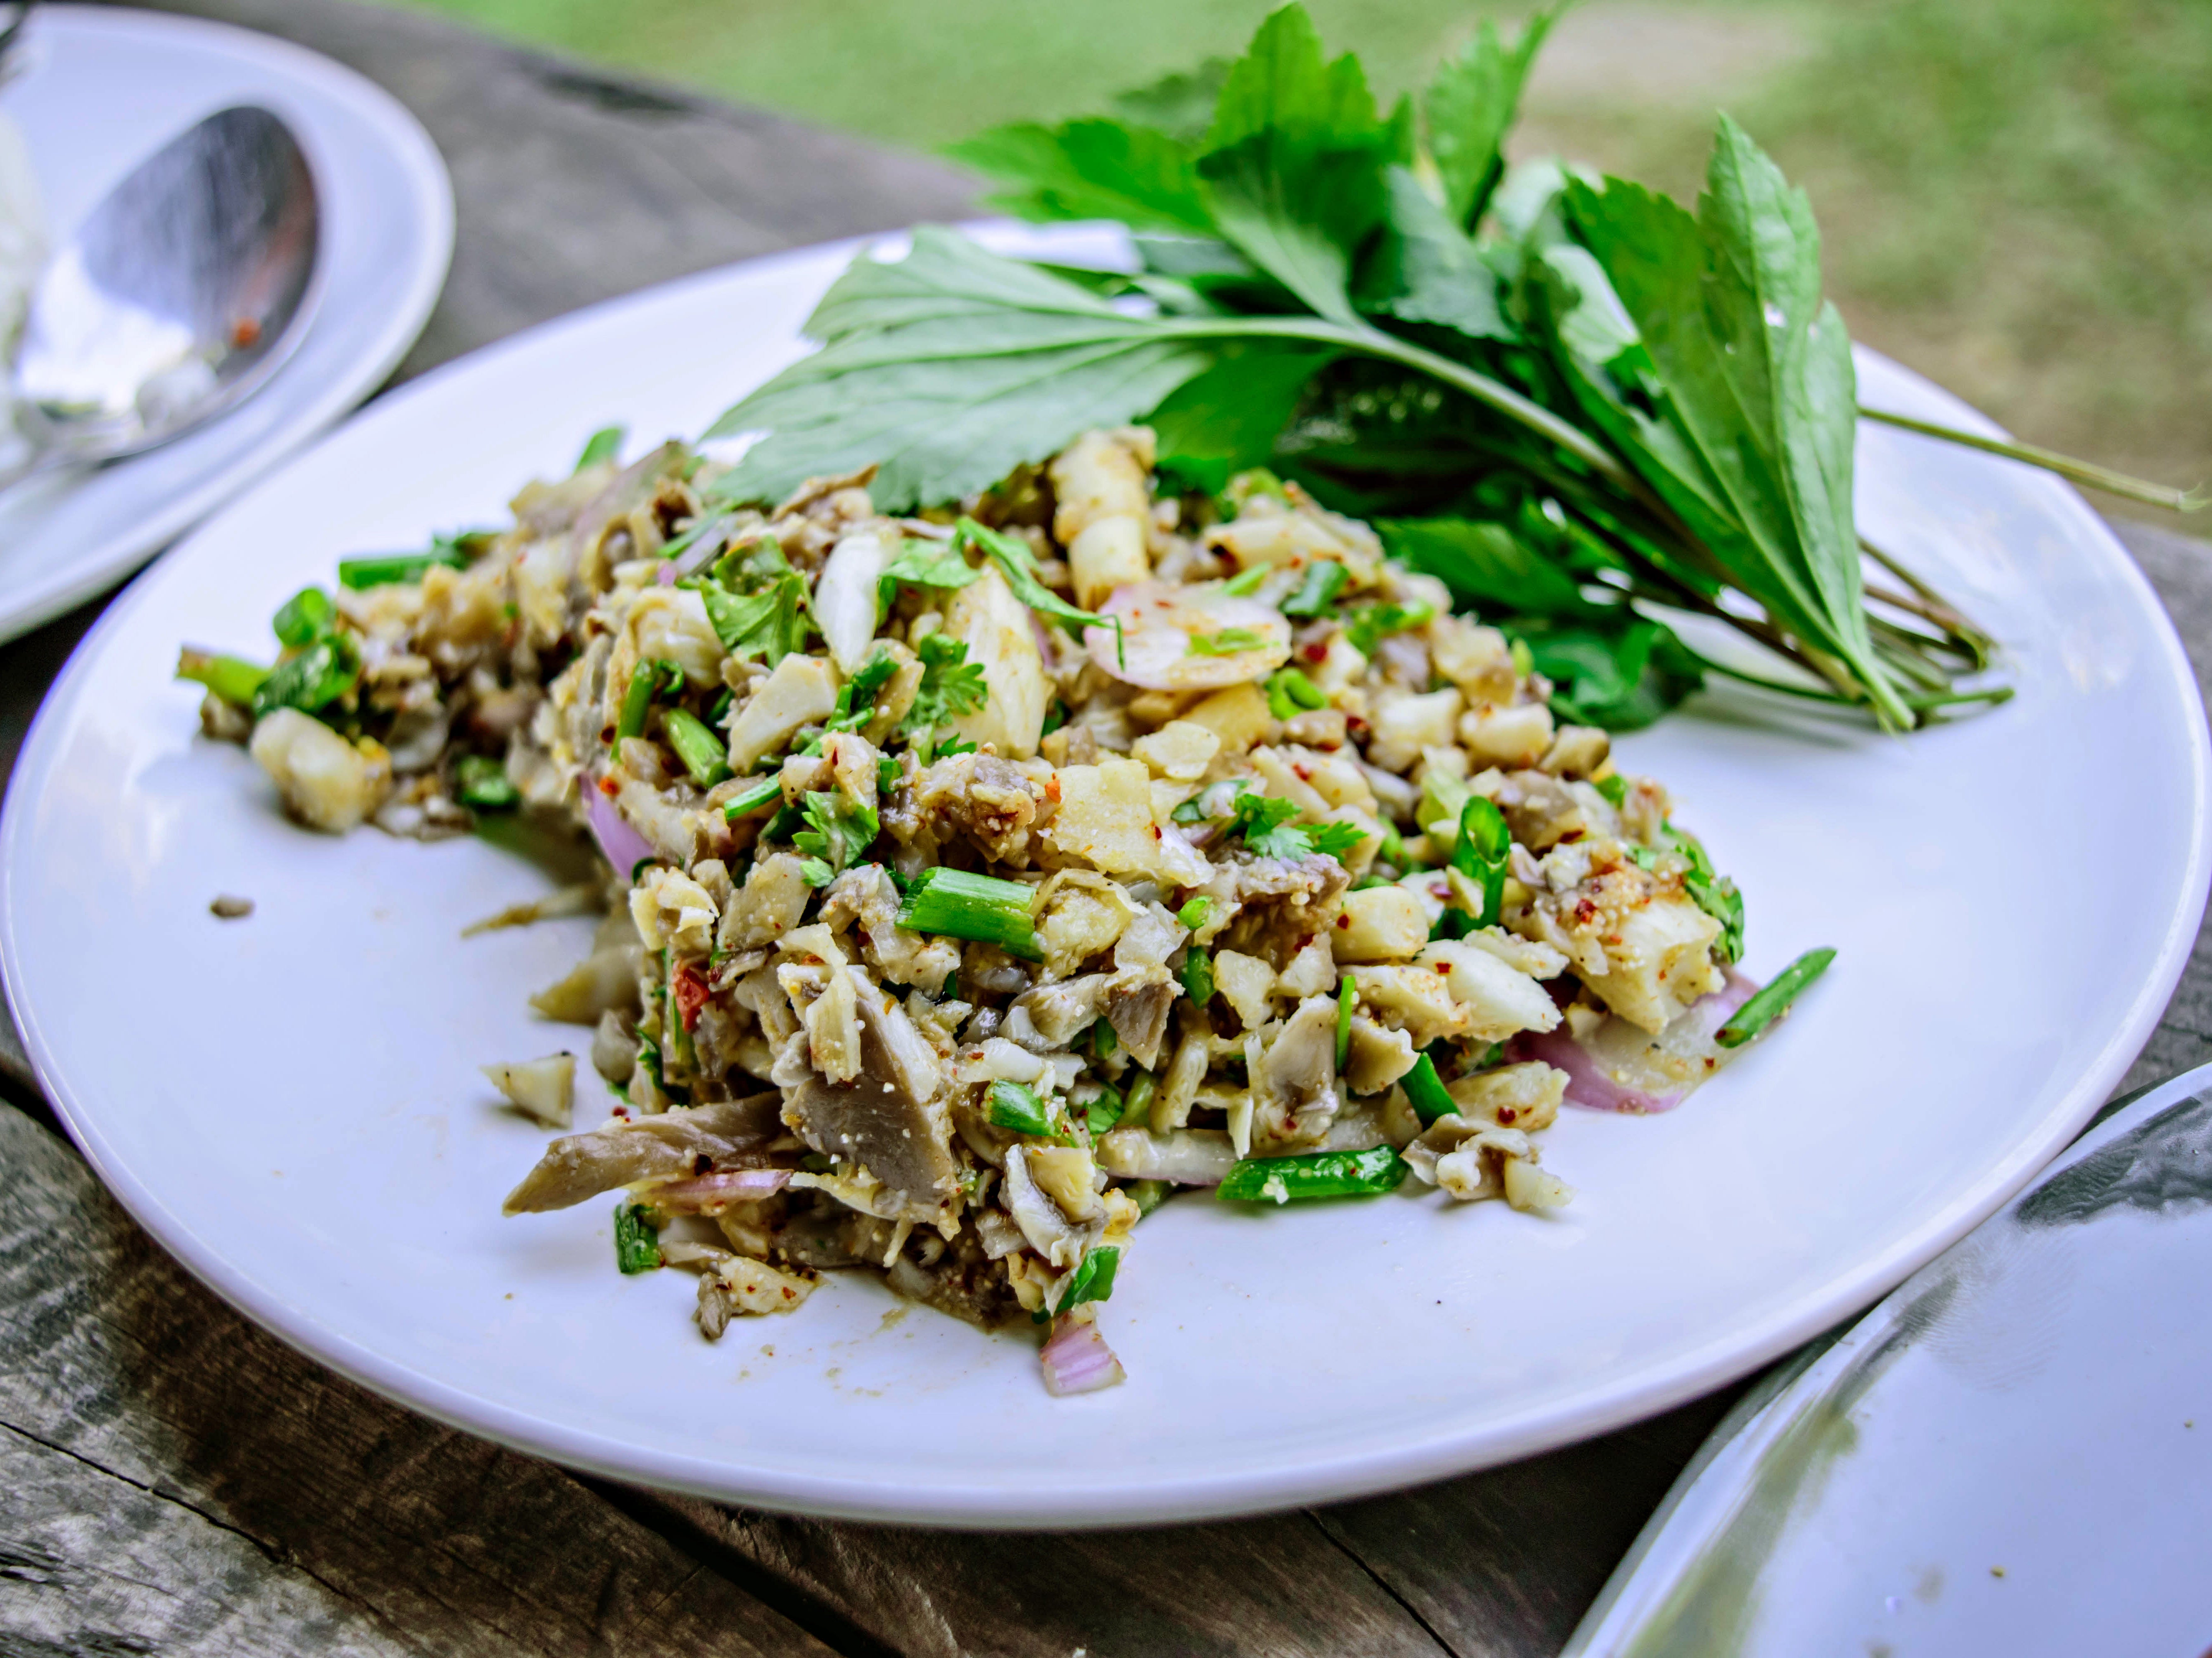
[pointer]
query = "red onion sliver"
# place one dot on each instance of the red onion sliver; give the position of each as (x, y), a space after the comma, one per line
(623, 846)
(1077, 1360)
(1590, 1084)
(666, 576)
(705, 1193)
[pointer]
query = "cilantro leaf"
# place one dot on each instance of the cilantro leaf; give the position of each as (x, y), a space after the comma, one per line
(757, 602)
(1229, 417)
(951, 686)
(1425, 269)
(838, 830)
(1015, 561)
(856, 697)
(923, 564)
(1370, 624)
(1334, 839)
(1265, 825)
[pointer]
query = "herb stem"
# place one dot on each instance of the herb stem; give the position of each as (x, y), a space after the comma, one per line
(1767, 1005)
(2077, 471)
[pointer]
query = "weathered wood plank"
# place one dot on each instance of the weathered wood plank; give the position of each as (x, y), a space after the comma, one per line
(1280, 1586)
(183, 1482)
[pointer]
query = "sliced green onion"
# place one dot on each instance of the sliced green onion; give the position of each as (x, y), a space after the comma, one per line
(1245, 583)
(303, 618)
(647, 681)
(1767, 1005)
(232, 678)
(1138, 1106)
(313, 679)
(1194, 913)
(1103, 1113)
(1481, 853)
(1316, 1175)
(1198, 977)
(1614, 788)
(1425, 1091)
(385, 569)
(962, 905)
(1093, 1278)
(1147, 1195)
(1013, 1106)
(482, 782)
(1347, 997)
(1227, 642)
(1290, 693)
(637, 1244)
(1323, 580)
(703, 754)
(1103, 1041)
(765, 792)
(605, 444)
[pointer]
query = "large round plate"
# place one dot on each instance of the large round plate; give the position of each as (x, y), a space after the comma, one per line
(291, 1103)
(101, 89)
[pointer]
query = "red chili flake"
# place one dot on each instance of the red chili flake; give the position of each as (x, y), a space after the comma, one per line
(1303, 773)
(1443, 967)
(1052, 789)
(245, 331)
(691, 987)
(1315, 652)
(1156, 832)
(1344, 921)
(608, 787)
(1506, 1114)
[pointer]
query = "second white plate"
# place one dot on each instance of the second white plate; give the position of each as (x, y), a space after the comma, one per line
(291, 1103)
(103, 88)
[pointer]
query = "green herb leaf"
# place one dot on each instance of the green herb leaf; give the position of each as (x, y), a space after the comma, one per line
(1469, 107)
(1488, 566)
(1092, 1278)
(951, 686)
(856, 697)
(947, 370)
(604, 444)
(1425, 269)
(1370, 624)
(1621, 674)
(923, 564)
(1105, 1111)
(1265, 825)
(838, 830)
(1334, 839)
(1481, 851)
(1230, 417)
(1018, 565)
(1089, 169)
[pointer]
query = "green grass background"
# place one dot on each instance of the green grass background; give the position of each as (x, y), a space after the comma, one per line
(2016, 194)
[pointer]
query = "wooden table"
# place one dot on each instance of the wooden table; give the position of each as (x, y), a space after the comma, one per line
(173, 1480)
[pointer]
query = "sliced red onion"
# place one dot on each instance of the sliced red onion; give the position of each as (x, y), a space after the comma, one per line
(1077, 1360)
(623, 846)
(1596, 1087)
(666, 576)
(1159, 621)
(704, 1194)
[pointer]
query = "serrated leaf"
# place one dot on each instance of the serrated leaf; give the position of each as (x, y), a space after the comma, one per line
(1089, 169)
(1469, 106)
(949, 368)
(1227, 419)
(1292, 159)
(1425, 269)
(1180, 105)
(1487, 566)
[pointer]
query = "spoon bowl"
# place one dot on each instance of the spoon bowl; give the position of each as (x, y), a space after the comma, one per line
(184, 290)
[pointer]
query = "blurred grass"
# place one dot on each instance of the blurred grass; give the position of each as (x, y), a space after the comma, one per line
(2016, 194)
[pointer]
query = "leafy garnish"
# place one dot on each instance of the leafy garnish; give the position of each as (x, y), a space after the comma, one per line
(951, 686)
(1018, 565)
(856, 696)
(1368, 626)
(1317, 590)
(604, 444)
(312, 679)
(838, 830)
(923, 564)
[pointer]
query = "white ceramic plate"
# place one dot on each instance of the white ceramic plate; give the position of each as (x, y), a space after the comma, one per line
(2013, 1454)
(101, 90)
(291, 1103)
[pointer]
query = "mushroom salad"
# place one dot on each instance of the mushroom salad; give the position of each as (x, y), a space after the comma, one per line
(976, 881)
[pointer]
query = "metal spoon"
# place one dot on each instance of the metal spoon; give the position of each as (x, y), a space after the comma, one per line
(183, 292)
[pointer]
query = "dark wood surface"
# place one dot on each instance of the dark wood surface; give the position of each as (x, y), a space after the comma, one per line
(173, 1480)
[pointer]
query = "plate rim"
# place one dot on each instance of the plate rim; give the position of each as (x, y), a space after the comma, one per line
(1337, 1476)
(429, 188)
